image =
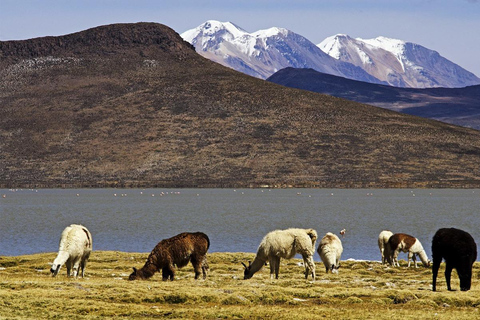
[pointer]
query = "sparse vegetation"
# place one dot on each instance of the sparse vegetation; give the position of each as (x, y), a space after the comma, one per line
(363, 290)
(133, 105)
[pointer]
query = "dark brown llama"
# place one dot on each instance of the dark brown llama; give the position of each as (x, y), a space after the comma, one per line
(459, 250)
(176, 252)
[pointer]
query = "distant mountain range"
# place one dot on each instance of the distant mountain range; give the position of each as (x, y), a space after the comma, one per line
(262, 53)
(133, 105)
(380, 60)
(399, 63)
(460, 106)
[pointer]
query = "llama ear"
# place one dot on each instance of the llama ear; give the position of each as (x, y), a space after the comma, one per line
(244, 265)
(134, 270)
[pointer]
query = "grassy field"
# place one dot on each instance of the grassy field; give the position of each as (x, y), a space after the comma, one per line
(362, 290)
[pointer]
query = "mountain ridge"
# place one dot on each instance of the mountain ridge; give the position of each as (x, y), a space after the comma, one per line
(154, 113)
(263, 52)
(399, 63)
(380, 60)
(457, 106)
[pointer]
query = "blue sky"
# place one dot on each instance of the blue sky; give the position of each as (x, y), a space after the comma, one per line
(451, 27)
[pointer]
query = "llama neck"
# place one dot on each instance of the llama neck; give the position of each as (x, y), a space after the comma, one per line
(424, 258)
(256, 265)
(147, 271)
(61, 258)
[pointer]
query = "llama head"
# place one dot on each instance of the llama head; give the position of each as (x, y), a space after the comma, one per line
(134, 275)
(246, 272)
(54, 269)
(465, 276)
(425, 261)
(465, 281)
(334, 268)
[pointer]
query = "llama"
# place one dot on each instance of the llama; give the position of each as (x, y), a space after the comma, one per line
(383, 238)
(459, 250)
(74, 250)
(406, 243)
(176, 251)
(284, 244)
(330, 250)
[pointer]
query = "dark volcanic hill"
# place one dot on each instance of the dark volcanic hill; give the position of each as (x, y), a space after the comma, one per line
(460, 106)
(134, 105)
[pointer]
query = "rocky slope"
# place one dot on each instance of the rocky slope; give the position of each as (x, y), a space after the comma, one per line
(135, 105)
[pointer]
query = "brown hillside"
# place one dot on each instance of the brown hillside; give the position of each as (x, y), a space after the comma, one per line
(134, 105)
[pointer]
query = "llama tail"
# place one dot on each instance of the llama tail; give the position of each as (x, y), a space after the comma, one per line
(312, 234)
(208, 241)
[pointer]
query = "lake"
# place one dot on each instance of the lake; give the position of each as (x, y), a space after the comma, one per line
(135, 220)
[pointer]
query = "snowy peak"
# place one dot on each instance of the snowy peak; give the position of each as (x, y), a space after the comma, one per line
(392, 45)
(397, 62)
(379, 60)
(271, 32)
(333, 45)
(211, 28)
(213, 31)
(264, 52)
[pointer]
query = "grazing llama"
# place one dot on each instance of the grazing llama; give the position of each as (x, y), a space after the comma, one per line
(330, 250)
(459, 250)
(406, 243)
(74, 250)
(177, 251)
(284, 244)
(383, 238)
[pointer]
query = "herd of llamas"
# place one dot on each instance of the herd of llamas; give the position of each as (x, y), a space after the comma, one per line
(455, 246)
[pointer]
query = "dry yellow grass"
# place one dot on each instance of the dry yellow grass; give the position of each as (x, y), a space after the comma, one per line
(362, 290)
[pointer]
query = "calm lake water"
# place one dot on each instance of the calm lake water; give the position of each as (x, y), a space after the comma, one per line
(135, 220)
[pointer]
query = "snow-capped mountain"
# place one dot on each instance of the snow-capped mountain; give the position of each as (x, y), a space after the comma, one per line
(399, 63)
(264, 52)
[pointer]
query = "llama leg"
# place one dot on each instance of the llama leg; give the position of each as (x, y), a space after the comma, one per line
(383, 256)
(69, 268)
(83, 264)
(271, 262)
(448, 274)
(165, 273)
(172, 274)
(274, 267)
(309, 266)
(395, 261)
(435, 267)
(205, 267)
(277, 267)
(305, 264)
(411, 257)
(76, 266)
(197, 266)
(82, 269)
